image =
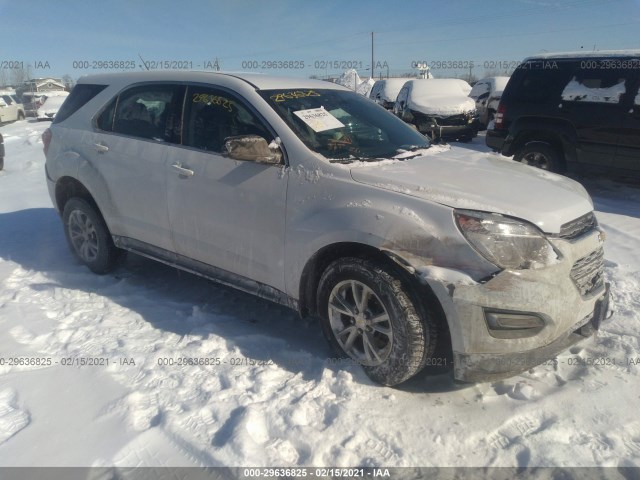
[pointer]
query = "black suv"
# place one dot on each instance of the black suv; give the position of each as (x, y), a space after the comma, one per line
(572, 112)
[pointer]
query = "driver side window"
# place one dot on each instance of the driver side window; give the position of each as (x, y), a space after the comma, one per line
(212, 115)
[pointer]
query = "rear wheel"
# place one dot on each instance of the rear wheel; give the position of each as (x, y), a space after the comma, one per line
(89, 237)
(1, 163)
(20, 116)
(541, 155)
(369, 316)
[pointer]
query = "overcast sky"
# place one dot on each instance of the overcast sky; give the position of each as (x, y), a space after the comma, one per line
(51, 36)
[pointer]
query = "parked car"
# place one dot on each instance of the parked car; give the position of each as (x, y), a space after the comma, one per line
(438, 107)
(34, 100)
(1, 152)
(385, 91)
(486, 93)
(572, 111)
(50, 107)
(308, 194)
(10, 109)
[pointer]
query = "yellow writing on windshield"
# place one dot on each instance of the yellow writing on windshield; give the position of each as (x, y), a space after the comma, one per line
(281, 97)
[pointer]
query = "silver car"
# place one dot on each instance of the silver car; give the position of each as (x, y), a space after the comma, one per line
(312, 196)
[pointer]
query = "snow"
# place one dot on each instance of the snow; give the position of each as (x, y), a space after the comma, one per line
(50, 107)
(352, 81)
(390, 87)
(576, 91)
(275, 398)
(441, 96)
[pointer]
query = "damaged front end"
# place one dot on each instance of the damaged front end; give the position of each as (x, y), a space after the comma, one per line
(462, 125)
(544, 293)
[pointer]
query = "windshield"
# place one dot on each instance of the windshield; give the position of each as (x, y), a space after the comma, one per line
(344, 126)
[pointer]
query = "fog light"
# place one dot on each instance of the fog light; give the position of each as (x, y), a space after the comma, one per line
(512, 324)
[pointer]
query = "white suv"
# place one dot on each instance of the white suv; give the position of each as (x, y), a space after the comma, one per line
(10, 109)
(310, 195)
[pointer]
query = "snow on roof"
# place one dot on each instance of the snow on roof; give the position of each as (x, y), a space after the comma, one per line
(584, 54)
(390, 88)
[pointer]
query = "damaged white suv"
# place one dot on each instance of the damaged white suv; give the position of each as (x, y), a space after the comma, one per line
(310, 195)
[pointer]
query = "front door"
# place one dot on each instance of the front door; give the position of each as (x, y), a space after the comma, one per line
(226, 213)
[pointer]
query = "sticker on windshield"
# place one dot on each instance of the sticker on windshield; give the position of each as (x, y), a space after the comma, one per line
(319, 119)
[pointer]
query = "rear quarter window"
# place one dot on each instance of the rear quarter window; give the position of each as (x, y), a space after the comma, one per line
(79, 96)
(541, 82)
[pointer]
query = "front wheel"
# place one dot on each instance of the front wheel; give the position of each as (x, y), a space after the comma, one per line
(540, 155)
(367, 314)
(89, 237)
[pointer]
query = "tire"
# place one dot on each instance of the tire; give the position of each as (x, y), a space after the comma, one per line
(540, 155)
(89, 237)
(20, 116)
(1, 163)
(386, 332)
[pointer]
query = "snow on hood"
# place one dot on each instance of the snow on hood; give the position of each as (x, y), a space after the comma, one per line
(576, 91)
(444, 106)
(484, 182)
(442, 96)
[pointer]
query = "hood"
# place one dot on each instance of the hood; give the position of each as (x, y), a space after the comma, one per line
(443, 106)
(485, 182)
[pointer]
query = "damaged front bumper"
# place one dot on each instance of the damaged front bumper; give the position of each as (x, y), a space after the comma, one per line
(521, 318)
(485, 367)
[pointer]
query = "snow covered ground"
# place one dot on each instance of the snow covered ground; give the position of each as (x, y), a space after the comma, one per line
(274, 399)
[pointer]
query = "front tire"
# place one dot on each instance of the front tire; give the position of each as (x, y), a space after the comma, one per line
(369, 315)
(89, 237)
(540, 155)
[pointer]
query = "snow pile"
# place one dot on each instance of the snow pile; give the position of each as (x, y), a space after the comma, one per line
(364, 88)
(576, 92)
(352, 81)
(442, 96)
(201, 375)
(349, 79)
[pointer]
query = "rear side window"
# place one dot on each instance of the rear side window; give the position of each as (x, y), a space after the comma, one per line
(79, 96)
(148, 111)
(542, 82)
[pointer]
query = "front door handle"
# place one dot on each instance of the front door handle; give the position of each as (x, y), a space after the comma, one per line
(182, 171)
(101, 148)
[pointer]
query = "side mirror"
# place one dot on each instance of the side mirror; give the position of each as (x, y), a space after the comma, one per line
(2, 103)
(251, 148)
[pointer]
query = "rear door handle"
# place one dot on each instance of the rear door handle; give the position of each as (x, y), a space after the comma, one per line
(101, 148)
(181, 170)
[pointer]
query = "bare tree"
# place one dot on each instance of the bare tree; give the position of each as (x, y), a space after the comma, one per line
(20, 75)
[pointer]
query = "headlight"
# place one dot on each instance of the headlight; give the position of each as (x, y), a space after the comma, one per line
(506, 242)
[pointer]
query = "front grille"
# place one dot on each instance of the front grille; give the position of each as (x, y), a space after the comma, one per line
(578, 227)
(588, 272)
(452, 121)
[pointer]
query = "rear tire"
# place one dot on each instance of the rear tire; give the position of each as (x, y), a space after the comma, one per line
(369, 315)
(89, 237)
(541, 155)
(1, 163)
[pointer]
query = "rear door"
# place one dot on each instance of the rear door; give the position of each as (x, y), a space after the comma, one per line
(129, 149)
(628, 152)
(592, 101)
(226, 213)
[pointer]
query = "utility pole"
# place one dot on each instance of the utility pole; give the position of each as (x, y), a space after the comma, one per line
(372, 74)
